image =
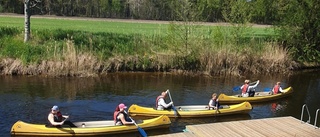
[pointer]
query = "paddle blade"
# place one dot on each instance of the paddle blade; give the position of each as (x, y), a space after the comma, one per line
(266, 89)
(236, 88)
(142, 132)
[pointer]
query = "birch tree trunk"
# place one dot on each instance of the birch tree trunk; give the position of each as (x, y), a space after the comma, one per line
(27, 15)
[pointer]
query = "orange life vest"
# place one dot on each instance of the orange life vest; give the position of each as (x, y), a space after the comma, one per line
(276, 89)
(245, 88)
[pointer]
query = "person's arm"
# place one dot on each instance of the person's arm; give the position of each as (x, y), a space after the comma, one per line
(123, 120)
(51, 120)
(254, 86)
(280, 89)
(164, 104)
(65, 116)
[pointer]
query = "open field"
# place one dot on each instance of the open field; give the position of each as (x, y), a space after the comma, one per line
(123, 26)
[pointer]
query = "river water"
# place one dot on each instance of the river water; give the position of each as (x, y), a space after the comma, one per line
(30, 98)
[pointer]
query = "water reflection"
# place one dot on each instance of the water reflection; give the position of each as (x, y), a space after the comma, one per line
(30, 98)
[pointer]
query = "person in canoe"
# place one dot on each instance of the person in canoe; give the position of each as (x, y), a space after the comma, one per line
(248, 90)
(120, 116)
(56, 119)
(161, 103)
(214, 102)
(276, 89)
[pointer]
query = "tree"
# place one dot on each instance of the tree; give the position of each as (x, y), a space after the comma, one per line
(237, 13)
(299, 29)
(28, 5)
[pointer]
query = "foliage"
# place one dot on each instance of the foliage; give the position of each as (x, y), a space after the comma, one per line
(104, 44)
(183, 44)
(264, 11)
(237, 12)
(188, 46)
(300, 29)
(8, 31)
(13, 48)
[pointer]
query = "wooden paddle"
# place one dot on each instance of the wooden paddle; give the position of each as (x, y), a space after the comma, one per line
(174, 108)
(64, 120)
(141, 131)
(216, 109)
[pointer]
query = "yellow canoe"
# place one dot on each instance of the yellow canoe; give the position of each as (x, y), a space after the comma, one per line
(191, 111)
(92, 128)
(258, 97)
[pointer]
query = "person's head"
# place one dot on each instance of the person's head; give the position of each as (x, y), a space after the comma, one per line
(164, 94)
(55, 109)
(122, 107)
(278, 83)
(214, 95)
(247, 81)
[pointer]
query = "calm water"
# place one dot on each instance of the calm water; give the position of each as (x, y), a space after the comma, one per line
(30, 98)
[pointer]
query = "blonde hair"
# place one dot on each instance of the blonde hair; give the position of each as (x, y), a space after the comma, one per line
(214, 94)
(247, 81)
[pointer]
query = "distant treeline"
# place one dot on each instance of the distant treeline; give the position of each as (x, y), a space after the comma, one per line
(261, 11)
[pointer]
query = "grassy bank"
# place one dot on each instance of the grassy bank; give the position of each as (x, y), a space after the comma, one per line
(92, 47)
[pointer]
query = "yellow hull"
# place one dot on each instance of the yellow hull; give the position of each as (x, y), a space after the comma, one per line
(259, 97)
(190, 111)
(21, 128)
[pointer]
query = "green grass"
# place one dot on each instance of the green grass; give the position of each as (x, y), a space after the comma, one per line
(86, 25)
(134, 46)
(106, 26)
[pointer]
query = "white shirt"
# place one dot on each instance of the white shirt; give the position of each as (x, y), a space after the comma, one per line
(162, 104)
(250, 87)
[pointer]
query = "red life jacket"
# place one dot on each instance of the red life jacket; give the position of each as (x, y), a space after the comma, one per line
(245, 88)
(158, 100)
(57, 117)
(276, 89)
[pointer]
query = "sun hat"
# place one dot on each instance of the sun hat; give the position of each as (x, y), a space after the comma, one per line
(122, 106)
(55, 108)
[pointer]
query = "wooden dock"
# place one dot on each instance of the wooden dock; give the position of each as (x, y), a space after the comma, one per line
(268, 127)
